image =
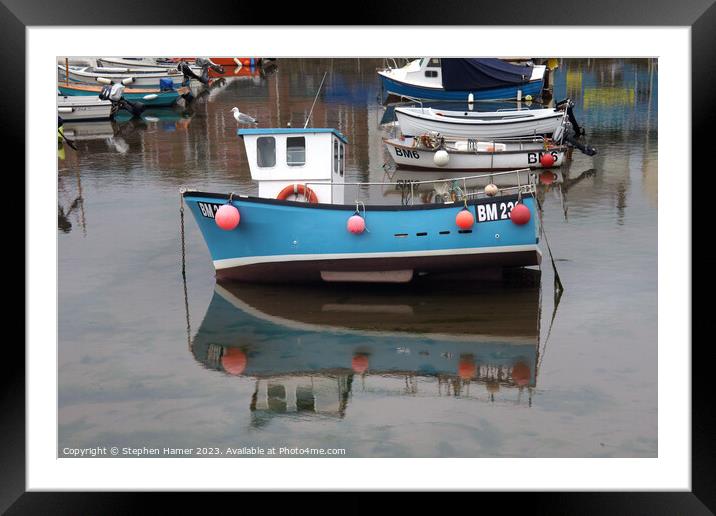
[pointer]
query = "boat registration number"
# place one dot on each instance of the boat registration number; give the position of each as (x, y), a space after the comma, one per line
(535, 157)
(208, 209)
(494, 211)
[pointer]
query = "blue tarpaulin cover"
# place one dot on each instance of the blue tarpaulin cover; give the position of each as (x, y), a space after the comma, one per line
(478, 73)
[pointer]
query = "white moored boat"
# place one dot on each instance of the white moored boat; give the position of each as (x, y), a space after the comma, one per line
(143, 62)
(468, 155)
(83, 108)
(141, 77)
(415, 121)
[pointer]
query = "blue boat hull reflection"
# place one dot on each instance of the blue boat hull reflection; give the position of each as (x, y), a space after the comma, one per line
(305, 347)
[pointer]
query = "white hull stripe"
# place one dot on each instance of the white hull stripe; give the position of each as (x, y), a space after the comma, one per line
(228, 263)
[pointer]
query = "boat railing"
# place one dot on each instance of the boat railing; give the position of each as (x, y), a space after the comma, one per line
(413, 99)
(458, 185)
(516, 108)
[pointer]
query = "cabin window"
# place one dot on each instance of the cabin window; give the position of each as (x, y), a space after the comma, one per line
(296, 151)
(341, 160)
(335, 156)
(431, 73)
(266, 151)
(434, 62)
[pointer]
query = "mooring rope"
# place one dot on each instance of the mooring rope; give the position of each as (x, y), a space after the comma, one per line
(183, 265)
(558, 287)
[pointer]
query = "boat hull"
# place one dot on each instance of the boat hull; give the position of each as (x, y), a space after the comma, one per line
(406, 156)
(412, 124)
(140, 79)
(163, 98)
(399, 89)
(286, 241)
(83, 108)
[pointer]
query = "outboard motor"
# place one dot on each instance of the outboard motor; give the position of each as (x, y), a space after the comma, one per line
(187, 72)
(568, 105)
(204, 64)
(113, 92)
(570, 138)
(572, 131)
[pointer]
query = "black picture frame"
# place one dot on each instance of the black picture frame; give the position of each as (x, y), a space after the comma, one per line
(699, 15)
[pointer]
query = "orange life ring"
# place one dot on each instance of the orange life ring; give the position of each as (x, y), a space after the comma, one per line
(297, 189)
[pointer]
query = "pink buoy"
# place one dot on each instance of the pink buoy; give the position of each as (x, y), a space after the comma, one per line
(547, 159)
(359, 363)
(521, 374)
(227, 217)
(234, 361)
(356, 224)
(520, 214)
(465, 219)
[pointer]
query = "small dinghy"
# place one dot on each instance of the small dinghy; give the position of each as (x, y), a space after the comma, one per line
(72, 108)
(432, 78)
(302, 228)
(435, 152)
(414, 121)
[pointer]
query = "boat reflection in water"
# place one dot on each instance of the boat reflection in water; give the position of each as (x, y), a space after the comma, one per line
(309, 349)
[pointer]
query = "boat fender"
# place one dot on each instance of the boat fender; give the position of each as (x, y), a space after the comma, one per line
(356, 224)
(464, 219)
(151, 96)
(359, 363)
(227, 217)
(298, 189)
(520, 214)
(441, 158)
(547, 159)
(491, 190)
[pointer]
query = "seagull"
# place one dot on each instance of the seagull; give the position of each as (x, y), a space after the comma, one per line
(242, 118)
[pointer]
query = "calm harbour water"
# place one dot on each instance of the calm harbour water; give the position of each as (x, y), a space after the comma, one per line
(437, 369)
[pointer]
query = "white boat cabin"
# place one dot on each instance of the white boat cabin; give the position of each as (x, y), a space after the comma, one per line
(425, 72)
(313, 157)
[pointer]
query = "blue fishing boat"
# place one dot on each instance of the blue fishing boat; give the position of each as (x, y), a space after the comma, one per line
(148, 96)
(463, 79)
(292, 335)
(303, 227)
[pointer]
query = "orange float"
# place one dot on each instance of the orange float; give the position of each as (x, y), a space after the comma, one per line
(359, 364)
(234, 361)
(521, 374)
(466, 368)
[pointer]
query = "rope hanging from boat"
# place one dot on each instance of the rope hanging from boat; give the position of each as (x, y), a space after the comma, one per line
(558, 287)
(183, 265)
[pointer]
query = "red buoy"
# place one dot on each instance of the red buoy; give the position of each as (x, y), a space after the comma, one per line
(520, 214)
(521, 374)
(466, 368)
(227, 217)
(234, 361)
(356, 224)
(359, 364)
(547, 159)
(465, 219)
(547, 178)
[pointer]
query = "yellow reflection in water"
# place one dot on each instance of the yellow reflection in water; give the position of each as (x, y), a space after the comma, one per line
(594, 97)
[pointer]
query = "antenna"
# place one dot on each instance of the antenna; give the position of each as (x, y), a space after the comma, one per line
(315, 99)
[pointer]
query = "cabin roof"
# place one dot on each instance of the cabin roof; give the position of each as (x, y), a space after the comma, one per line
(292, 130)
